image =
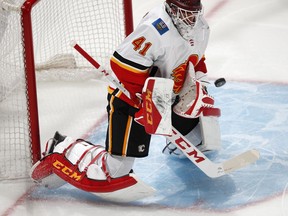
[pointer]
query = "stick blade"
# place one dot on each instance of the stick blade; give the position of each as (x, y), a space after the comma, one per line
(241, 160)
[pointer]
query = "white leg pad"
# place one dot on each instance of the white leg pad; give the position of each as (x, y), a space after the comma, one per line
(211, 136)
(195, 135)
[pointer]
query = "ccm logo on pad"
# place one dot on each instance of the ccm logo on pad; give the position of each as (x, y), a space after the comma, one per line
(66, 170)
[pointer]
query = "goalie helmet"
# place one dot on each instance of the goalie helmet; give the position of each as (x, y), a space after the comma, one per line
(184, 14)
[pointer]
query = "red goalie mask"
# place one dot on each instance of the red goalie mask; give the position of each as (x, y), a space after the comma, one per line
(189, 5)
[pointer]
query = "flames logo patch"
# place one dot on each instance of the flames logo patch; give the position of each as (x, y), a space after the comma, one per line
(178, 75)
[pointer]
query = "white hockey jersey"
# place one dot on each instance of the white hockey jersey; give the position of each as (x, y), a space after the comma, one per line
(157, 43)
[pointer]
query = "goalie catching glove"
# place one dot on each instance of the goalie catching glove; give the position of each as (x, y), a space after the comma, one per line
(194, 99)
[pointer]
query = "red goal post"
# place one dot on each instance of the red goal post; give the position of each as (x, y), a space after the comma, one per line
(35, 35)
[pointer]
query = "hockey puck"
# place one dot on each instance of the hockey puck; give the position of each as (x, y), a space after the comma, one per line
(220, 82)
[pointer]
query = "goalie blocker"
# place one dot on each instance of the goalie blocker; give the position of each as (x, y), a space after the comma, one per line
(155, 113)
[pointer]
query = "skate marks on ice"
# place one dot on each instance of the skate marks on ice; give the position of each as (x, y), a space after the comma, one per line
(254, 115)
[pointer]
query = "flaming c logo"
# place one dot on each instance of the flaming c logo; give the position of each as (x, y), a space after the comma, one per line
(179, 73)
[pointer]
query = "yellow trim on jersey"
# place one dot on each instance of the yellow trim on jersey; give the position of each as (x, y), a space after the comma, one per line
(110, 123)
(127, 130)
(111, 91)
(127, 134)
(128, 67)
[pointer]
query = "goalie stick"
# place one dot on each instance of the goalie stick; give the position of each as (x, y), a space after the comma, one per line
(100, 68)
(210, 168)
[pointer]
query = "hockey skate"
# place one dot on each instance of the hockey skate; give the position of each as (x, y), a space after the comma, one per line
(50, 145)
(171, 149)
(205, 137)
(41, 172)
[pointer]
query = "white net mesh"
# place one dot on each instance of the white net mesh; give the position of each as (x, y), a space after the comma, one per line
(98, 26)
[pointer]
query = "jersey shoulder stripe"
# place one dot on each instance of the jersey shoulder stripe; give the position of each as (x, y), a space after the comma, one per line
(127, 64)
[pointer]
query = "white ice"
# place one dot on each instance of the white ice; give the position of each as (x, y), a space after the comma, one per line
(248, 45)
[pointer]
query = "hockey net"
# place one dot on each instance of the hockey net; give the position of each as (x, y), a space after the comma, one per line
(35, 37)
